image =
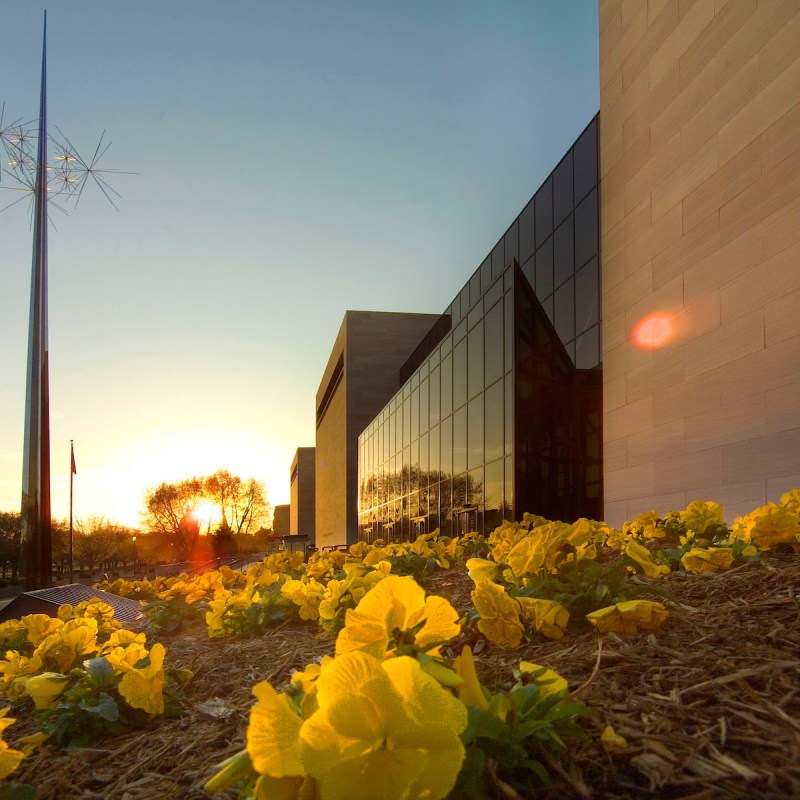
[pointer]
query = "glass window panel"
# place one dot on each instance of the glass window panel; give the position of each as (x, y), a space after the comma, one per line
(486, 272)
(445, 507)
(511, 246)
(547, 305)
(475, 493)
(585, 161)
(414, 414)
(424, 419)
(493, 294)
(406, 470)
(565, 311)
(475, 354)
(475, 432)
(461, 331)
(435, 464)
(464, 301)
(544, 270)
(415, 466)
(563, 252)
(544, 211)
(455, 309)
(587, 297)
(587, 349)
(493, 421)
(474, 287)
(406, 423)
(460, 441)
(496, 261)
(527, 231)
(562, 189)
(529, 271)
(508, 498)
(475, 315)
(493, 494)
(424, 454)
(447, 385)
(392, 433)
(493, 343)
(508, 325)
(587, 235)
(434, 405)
(509, 415)
(446, 447)
(460, 374)
(433, 506)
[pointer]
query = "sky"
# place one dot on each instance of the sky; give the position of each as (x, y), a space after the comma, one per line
(281, 163)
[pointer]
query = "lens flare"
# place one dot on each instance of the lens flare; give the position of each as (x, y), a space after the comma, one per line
(654, 331)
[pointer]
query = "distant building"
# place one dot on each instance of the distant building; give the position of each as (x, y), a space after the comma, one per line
(302, 496)
(361, 375)
(280, 520)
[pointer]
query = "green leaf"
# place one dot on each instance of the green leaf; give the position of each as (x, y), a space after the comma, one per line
(105, 707)
(17, 791)
(99, 670)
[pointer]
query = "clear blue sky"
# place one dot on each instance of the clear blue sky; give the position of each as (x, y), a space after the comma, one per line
(293, 160)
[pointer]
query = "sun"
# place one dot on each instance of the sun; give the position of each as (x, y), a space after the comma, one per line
(207, 513)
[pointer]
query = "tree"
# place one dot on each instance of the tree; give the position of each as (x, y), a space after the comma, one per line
(10, 529)
(169, 510)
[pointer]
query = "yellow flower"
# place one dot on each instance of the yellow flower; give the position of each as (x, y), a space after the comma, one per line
(383, 728)
(470, 693)
(712, 559)
(641, 555)
(40, 626)
(480, 569)
(9, 759)
(767, 526)
(307, 679)
(699, 515)
(612, 740)
(69, 645)
(16, 669)
(389, 611)
(546, 616)
(547, 680)
(10, 629)
(46, 688)
(123, 638)
(273, 734)
(144, 687)
(791, 500)
(629, 616)
(306, 595)
(499, 613)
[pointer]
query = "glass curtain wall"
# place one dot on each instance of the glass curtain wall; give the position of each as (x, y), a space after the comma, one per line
(442, 453)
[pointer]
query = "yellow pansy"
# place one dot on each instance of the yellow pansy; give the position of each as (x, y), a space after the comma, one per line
(700, 515)
(122, 638)
(629, 616)
(470, 692)
(397, 604)
(144, 688)
(499, 614)
(712, 559)
(546, 616)
(383, 724)
(69, 645)
(10, 629)
(547, 681)
(46, 688)
(641, 555)
(307, 678)
(791, 500)
(612, 740)
(481, 569)
(40, 626)
(16, 669)
(9, 759)
(273, 734)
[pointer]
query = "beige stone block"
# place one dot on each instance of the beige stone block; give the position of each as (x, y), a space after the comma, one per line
(692, 396)
(770, 457)
(613, 331)
(760, 28)
(764, 283)
(619, 296)
(630, 162)
(700, 314)
(687, 104)
(659, 28)
(683, 470)
(726, 23)
(629, 419)
(777, 188)
(783, 407)
(780, 50)
(667, 299)
(661, 441)
(724, 265)
(736, 499)
(686, 250)
(781, 320)
(735, 420)
(630, 227)
(615, 455)
(662, 503)
(621, 484)
(614, 394)
(655, 7)
(763, 107)
(626, 358)
(663, 370)
(631, 11)
(615, 513)
(653, 172)
(780, 140)
(635, 92)
(725, 344)
(611, 153)
(776, 487)
(685, 177)
(615, 44)
(731, 179)
(781, 229)
(692, 20)
(665, 88)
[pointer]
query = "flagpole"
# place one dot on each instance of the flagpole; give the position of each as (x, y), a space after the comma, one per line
(71, 474)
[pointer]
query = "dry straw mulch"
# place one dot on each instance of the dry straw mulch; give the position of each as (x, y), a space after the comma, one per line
(709, 704)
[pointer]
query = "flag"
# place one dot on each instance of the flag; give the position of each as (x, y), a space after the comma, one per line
(72, 458)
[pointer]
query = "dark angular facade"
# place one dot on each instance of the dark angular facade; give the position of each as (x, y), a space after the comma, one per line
(500, 407)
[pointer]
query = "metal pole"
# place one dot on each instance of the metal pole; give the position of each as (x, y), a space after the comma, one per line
(71, 474)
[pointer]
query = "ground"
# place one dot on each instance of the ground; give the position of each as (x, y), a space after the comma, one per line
(709, 704)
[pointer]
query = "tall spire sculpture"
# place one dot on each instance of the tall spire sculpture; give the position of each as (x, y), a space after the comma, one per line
(30, 173)
(36, 542)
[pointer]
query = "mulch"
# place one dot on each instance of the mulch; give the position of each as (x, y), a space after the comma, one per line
(709, 703)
